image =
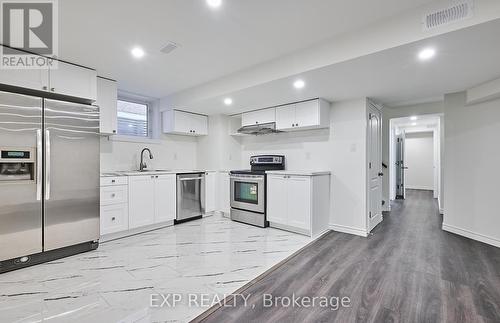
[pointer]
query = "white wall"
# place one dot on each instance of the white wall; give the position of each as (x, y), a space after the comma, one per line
(472, 156)
(169, 151)
(218, 150)
(400, 112)
(419, 158)
(341, 150)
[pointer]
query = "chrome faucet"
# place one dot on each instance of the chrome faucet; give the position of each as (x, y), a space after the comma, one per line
(143, 164)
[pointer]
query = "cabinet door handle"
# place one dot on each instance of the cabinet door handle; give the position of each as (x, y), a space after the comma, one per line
(113, 218)
(113, 181)
(113, 195)
(52, 89)
(44, 88)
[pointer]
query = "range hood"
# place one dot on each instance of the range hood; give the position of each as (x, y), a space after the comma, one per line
(259, 129)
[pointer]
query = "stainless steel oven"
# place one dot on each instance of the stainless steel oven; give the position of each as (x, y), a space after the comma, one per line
(248, 192)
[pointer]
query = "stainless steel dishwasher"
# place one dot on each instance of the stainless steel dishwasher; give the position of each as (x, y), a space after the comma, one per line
(190, 196)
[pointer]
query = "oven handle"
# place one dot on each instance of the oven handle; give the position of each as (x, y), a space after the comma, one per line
(251, 178)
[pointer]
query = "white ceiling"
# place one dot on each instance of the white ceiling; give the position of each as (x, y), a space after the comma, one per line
(214, 43)
(464, 58)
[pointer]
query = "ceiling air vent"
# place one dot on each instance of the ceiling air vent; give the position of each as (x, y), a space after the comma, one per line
(459, 11)
(170, 47)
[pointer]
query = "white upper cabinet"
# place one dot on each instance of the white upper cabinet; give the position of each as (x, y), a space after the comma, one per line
(107, 99)
(65, 79)
(184, 123)
(73, 80)
(258, 117)
(34, 79)
(312, 114)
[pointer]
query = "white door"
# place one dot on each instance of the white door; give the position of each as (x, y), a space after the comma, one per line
(36, 79)
(285, 117)
(210, 188)
(277, 199)
(299, 202)
(72, 80)
(107, 99)
(165, 198)
(374, 167)
(258, 117)
(114, 218)
(199, 124)
(141, 201)
(182, 122)
(224, 192)
(307, 114)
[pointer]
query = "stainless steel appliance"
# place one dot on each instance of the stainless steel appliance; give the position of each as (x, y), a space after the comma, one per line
(49, 179)
(248, 190)
(259, 129)
(190, 197)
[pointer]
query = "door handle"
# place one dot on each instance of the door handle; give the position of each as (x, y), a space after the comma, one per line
(191, 179)
(47, 164)
(39, 169)
(380, 174)
(404, 167)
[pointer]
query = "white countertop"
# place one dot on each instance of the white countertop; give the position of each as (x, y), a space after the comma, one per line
(298, 172)
(153, 172)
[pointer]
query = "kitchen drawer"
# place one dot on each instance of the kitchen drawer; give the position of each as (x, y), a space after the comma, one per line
(112, 181)
(114, 218)
(114, 194)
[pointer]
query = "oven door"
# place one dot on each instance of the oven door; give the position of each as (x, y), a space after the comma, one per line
(248, 192)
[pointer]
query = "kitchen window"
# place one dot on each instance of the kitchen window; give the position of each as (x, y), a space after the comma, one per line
(133, 118)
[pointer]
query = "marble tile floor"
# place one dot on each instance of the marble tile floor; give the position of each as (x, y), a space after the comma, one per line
(212, 256)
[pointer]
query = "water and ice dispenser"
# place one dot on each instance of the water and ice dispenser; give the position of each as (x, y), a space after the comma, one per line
(17, 164)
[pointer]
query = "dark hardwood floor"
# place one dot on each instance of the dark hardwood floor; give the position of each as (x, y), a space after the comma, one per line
(409, 270)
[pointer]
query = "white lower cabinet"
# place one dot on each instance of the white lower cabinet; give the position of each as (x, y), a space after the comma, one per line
(165, 198)
(141, 201)
(152, 199)
(224, 195)
(210, 192)
(114, 218)
(114, 205)
(299, 203)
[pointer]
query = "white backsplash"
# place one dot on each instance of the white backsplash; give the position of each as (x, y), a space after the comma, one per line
(169, 152)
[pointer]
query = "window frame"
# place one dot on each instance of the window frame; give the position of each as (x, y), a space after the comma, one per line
(129, 137)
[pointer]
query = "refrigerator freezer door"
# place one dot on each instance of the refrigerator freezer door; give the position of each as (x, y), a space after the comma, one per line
(71, 141)
(20, 187)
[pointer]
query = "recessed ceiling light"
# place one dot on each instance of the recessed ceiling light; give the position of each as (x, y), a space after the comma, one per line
(214, 3)
(228, 101)
(137, 52)
(414, 118)
(426, 54)
(299, 84)
(414, 124)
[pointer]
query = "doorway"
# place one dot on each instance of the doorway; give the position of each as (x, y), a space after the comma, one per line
(415, 155)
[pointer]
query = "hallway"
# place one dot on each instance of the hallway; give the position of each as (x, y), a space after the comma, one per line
(409, 270)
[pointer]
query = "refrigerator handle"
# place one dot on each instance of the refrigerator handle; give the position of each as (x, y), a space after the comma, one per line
(39, 165)
(47, 164)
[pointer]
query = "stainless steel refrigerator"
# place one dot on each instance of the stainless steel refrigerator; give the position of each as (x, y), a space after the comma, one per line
(49, 179)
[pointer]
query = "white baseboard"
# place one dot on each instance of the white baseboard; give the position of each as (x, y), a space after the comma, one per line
(133, 232)
(349, 230)
(421, 188)
(472, 235)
